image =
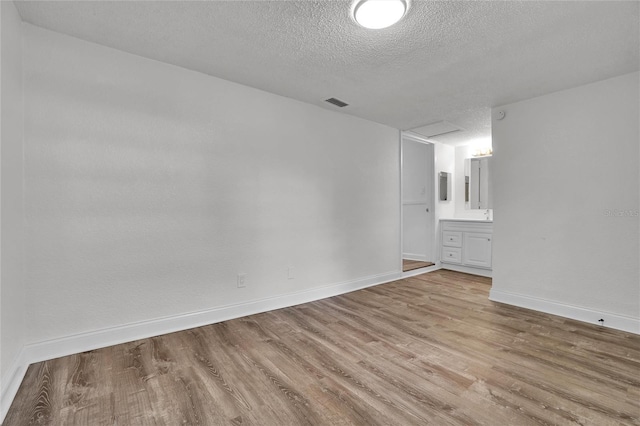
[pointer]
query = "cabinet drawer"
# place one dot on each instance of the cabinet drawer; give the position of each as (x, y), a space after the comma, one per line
(451, 255)
(452, 238)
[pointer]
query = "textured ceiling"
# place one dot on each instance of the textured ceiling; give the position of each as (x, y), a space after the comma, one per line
(447, 60)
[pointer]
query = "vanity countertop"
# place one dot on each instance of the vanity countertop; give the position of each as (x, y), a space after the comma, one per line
(466, 220)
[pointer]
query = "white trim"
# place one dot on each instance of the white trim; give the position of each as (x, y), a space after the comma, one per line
(68, 345)
(416, 137)
(420, 271)
(401, 207)
(73, 344)
(429, 200)
(432, 246)
(467, 269)
(10, 386)
(611, 320)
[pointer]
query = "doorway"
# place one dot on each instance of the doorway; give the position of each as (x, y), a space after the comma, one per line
(417, 202)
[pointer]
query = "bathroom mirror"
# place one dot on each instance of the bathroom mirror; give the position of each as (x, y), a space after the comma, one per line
(444, 186)
(477, 183)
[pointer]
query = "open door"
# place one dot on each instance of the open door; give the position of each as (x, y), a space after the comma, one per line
(418, 237)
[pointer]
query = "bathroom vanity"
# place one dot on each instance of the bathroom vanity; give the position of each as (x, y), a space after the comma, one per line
(465, 245)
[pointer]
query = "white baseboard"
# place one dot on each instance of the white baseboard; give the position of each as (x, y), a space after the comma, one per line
(10, 385)
(618, 322)
(420, 271)
(468, 270)
(68, 345)
(414, 256)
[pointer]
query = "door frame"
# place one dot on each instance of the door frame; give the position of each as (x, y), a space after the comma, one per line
(406, 135)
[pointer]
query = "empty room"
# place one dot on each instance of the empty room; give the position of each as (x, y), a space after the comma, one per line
(362, 212)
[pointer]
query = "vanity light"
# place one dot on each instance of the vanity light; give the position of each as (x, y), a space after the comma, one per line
(377, 14)
(483, 152)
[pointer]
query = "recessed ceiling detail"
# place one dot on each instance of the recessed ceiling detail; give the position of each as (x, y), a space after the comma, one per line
(437, 129)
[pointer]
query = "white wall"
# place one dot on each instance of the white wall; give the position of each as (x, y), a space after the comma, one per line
(149, 187)
(563, 164)
(12, 296)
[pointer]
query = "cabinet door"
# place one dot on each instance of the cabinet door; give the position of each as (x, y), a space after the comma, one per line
(477, 249)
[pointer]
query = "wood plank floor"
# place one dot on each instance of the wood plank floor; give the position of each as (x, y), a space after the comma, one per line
(410, 265)
(431, 349)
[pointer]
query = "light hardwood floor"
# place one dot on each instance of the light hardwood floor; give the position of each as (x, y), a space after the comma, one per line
(425, 350)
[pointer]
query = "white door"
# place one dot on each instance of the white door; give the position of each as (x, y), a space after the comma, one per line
(417, 200)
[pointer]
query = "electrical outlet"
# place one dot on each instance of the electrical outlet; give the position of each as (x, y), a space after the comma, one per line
(242, 280)
(291, 272)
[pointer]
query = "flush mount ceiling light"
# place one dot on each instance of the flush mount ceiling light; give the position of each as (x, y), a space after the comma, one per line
(377, 14)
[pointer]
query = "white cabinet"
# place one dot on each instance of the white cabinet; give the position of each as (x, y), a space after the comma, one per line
(466, 246)
(451, 254)
(477, 249)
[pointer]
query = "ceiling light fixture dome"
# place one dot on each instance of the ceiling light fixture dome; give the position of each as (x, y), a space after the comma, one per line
(377, 14)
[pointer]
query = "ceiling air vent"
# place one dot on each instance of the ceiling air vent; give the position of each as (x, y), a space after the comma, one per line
(336, 102)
